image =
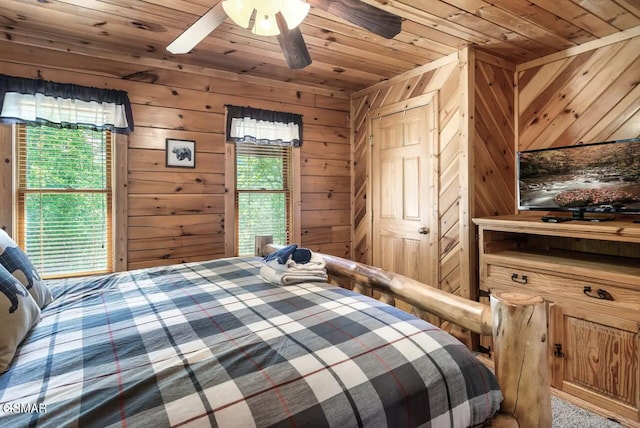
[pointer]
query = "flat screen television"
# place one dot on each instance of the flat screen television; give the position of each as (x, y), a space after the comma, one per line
(586, 178)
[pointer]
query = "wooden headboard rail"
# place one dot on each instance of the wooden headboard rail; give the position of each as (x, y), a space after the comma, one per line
(517, 322)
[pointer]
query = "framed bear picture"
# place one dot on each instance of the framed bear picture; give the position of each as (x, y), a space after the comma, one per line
(181, 153)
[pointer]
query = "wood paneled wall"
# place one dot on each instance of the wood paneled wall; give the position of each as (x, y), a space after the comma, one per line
(475, 158)
(494, 143)
(176, 214)
(442, 76)
(583, 95)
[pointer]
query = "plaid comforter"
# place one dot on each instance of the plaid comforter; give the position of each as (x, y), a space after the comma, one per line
(211, 344)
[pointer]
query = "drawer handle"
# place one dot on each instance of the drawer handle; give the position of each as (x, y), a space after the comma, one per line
(600, 293)
(520, 280)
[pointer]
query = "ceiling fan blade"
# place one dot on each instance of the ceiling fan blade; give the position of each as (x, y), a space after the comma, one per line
(198, 30)
(292, 44)
(378, 21)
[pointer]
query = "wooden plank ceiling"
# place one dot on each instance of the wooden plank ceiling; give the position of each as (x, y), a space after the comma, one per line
(345, 57)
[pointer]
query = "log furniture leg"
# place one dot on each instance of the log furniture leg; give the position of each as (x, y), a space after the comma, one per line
(521, 357)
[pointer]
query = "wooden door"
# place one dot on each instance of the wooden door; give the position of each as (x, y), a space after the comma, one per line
(403, 204)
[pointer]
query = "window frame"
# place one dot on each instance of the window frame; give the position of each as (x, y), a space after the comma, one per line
(119, 167)
(231, 237)
(22, 191)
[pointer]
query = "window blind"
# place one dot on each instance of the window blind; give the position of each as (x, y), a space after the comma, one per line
(263, 195)
(65, 199)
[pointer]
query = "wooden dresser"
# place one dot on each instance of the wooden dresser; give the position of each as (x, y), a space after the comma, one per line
(589, 273)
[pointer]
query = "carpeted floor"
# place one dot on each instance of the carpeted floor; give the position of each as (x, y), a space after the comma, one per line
(566, 415)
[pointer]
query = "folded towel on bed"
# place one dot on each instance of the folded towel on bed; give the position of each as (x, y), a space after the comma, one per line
(289, 277)
(292, 272)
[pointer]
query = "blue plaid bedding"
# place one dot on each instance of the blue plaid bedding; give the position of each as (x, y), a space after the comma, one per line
(211, 344)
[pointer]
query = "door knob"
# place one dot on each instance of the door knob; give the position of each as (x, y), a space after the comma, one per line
(423, 230)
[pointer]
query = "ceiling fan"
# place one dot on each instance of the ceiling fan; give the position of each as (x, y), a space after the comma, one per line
(284, 23)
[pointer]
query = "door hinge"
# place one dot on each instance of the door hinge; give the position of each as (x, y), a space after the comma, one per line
(483, 293)
(558, 352)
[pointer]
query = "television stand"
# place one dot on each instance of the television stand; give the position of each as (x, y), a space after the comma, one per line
(594, 353)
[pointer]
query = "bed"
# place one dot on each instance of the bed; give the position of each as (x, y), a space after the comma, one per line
(212, 344)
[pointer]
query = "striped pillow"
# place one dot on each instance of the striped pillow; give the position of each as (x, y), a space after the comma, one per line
(18, 314)
(13, 259)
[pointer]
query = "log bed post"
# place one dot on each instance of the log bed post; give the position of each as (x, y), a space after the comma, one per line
(521, 357)
(517, 321)
(261, 243)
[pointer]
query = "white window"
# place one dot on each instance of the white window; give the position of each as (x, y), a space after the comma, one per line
(263, 195)
(64, 199)
(262, 177)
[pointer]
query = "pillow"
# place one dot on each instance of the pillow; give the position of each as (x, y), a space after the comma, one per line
(18, 264)
(18, 314)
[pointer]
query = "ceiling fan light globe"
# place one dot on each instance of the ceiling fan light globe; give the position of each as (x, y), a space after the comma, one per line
(239, 11)
(268, 7)
(265, 25)
(294, 12)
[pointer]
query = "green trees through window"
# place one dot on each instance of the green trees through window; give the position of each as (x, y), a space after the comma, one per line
(64, 192)
(262, 194)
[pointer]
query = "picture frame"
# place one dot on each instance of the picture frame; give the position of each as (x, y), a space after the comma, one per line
(180, 153)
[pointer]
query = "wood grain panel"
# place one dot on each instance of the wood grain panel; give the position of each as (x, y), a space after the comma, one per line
(173, 118)
(6, 174)
(182, 253)
(595, 342)
(175, 182)
(320, 235)
(318, 201)
(155, 161)
(336, 249)
(326, 150)
(152, 205)
(177, 225)
(172, 242)
(590, 97)
(494, 148)
(170, 261)
(318, 218)
(618, 118)
(325, 167)
(318, 133)
(319, 184)
(155, 138)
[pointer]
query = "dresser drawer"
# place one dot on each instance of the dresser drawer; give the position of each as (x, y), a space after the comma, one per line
(560, 289)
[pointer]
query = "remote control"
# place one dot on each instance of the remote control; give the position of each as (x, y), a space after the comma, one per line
(554, 219)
